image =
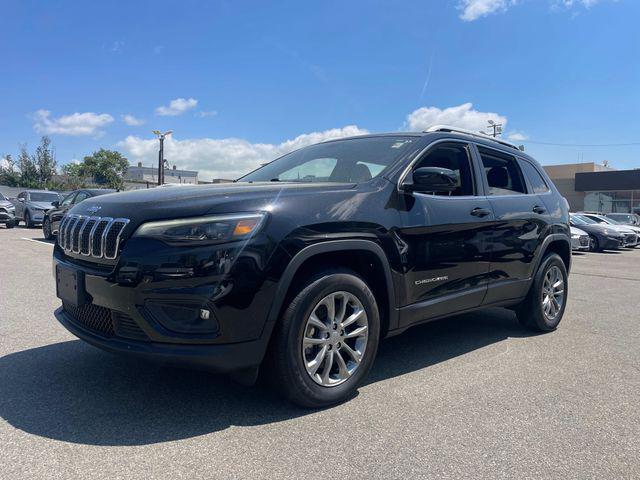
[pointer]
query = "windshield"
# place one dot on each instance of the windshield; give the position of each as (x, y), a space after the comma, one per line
(621, 218)
(2, 197)
(584, 220)
(43, 197)
(343, 161)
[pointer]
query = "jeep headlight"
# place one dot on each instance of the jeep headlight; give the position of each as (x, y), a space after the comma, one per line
(203, 230)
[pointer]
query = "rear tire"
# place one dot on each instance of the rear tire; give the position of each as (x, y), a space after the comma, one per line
(320, 364)
(46, 229)
(545, 303)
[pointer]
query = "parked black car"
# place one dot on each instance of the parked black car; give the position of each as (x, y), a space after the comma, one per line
(52, 217)
(307, 262)
(600, 237)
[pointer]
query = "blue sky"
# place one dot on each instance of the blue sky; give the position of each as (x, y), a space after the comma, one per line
(241, 82)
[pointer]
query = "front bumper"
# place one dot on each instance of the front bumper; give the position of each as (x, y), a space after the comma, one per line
(580, 242)
(612, 243)
(221, 358)
(6, 216)
(149, 303)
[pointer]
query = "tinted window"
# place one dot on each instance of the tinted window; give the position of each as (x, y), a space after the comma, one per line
(43, 197)
(68, 200)
(502, 172)
(535, 179)
(454, 157)
(81, 196)
(350, 160)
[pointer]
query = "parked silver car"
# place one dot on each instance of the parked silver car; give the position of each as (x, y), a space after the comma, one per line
(579, 239)
(31, 205)
(7, 212)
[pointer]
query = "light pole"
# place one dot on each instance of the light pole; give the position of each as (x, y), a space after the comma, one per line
(161, 136)
(497, 128)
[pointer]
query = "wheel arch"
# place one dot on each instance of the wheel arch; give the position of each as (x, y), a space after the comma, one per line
(363, 256)
(556, 243)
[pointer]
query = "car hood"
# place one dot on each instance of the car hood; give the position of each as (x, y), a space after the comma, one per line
(597, 228)
(6, 204)
(41, 205)
(165, 203)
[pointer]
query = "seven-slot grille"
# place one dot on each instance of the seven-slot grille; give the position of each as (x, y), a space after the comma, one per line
(97, 237)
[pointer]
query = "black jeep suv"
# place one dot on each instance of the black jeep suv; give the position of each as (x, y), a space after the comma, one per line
(307, 262)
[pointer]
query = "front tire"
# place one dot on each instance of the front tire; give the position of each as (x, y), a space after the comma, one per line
(327, 340)
(27, 220)
(594, 245)
(544, 305)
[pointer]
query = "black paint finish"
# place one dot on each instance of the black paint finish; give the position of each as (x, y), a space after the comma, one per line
(435, 256)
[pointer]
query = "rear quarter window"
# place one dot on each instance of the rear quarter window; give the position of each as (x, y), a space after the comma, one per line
(534, 177)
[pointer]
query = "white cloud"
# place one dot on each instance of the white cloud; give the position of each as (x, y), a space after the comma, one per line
(517, 136)
(132, 121)
(474, 9)
(462, 116)
(177, 107)
(76, 124)
(234, 157)
(206, 113)
(223, 158)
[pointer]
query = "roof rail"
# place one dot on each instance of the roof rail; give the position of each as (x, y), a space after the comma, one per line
(448, 128)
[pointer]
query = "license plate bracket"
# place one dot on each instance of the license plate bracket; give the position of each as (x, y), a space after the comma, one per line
(70, 286)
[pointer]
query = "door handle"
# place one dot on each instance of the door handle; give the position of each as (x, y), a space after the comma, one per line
(539, 209)
(480, 212)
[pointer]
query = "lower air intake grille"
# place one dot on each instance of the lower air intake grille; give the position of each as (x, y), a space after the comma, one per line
(92, 317)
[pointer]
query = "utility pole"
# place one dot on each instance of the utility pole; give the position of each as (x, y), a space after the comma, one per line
(161, 160)
(497, 128)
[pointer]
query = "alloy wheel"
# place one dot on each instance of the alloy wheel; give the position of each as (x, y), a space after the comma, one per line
(335, 338)
(552, 293)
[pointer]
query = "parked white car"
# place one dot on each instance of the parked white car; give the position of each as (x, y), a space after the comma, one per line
(579, 239)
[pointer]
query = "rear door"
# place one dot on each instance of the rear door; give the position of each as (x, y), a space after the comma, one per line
(521, 221)
(444, 239)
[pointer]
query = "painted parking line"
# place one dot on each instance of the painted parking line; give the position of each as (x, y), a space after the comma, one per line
(35, 240)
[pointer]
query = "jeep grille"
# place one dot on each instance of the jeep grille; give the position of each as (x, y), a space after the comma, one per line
(97, 237)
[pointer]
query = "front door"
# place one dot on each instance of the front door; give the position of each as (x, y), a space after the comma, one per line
(446, 263)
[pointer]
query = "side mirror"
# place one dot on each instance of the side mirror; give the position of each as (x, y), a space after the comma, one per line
(432, 180)
(21, 200)
(55, 204)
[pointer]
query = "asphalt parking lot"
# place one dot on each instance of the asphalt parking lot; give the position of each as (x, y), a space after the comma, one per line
(474, 396)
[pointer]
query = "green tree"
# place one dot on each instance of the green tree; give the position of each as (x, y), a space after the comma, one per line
(8, 174)
(28, 169)
(45, 161)
(105, 167)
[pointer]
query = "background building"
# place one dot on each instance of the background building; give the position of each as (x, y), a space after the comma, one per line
(141, 174)
(599, 188)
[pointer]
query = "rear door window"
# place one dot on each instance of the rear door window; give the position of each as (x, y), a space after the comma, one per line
(502, 172)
